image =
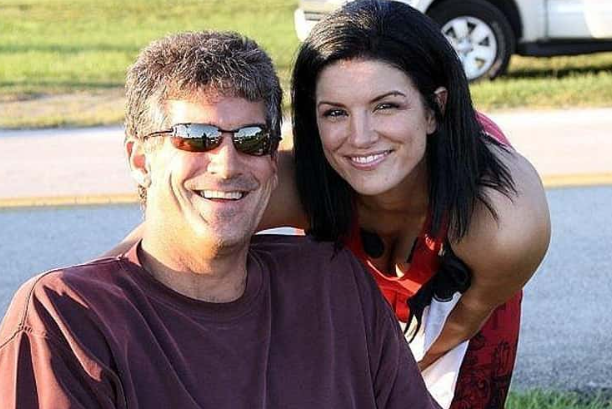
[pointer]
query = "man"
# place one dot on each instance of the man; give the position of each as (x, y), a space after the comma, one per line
(198, 315)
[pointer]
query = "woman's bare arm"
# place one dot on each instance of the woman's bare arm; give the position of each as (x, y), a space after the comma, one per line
(502, 254)
(284, 208)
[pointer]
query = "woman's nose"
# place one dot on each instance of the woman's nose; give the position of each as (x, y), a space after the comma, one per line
(362, 133)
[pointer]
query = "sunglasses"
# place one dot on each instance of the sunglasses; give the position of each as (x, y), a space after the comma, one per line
(253, 140)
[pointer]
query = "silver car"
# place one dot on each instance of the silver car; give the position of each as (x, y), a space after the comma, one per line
(485, 33)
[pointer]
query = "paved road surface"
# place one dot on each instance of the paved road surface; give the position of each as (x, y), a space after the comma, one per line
(566, 337)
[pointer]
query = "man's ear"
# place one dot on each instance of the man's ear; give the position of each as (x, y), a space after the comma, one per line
(275, 164)
(137, 159)
(440, 95)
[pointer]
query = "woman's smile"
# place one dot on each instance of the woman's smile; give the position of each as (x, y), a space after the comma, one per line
(369, 161)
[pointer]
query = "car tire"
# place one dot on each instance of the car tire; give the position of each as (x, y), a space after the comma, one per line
(480, 33)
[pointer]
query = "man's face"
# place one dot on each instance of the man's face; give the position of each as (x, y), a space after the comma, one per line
(213, 198)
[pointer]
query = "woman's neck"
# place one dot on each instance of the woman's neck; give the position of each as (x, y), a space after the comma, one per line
(408, 199)
(393, 221)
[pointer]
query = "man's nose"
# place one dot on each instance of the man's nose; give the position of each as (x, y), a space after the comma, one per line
(362, 133)
(225, 161)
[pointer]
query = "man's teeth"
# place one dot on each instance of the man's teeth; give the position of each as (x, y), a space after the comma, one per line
(215, 194)
(364, 160)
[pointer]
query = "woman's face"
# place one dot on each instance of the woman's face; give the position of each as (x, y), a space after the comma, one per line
(373, 124)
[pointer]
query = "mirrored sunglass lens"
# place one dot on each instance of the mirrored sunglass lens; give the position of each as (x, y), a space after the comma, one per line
(201, 130)
(252, 140)
(191, 144)
(196, 137)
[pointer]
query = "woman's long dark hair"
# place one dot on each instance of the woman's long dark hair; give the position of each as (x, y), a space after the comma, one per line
(459, 156)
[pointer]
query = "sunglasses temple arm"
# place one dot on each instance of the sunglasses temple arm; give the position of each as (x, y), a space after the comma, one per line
(160, 133)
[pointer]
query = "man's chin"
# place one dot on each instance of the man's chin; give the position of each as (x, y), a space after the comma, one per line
(222, 237)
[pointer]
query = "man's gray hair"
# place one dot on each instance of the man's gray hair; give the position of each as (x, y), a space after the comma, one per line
(182, 65)
(179, 66)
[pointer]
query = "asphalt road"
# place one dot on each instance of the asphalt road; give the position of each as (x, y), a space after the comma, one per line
(567, 309)
(566, 337)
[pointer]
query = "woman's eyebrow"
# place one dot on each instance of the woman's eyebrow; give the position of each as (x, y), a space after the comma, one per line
(393, 93)
(336, 104)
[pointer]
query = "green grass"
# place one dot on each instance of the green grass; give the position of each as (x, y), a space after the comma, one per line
(538, 399)
(82, 48)
(61, 45)
(50, 47)
(557, 82)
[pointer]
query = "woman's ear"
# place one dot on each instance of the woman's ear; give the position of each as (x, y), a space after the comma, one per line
(137, 159)
(440, 96)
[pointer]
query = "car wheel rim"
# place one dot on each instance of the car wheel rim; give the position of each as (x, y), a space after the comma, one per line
(474, 42)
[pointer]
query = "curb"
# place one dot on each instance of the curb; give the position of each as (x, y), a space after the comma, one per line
(69, 200)
(578, 180)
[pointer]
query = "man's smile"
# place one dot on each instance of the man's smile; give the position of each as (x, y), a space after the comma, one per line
(224, 195)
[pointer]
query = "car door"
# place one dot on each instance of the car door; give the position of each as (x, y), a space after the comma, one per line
(567, 19)
(598, 16)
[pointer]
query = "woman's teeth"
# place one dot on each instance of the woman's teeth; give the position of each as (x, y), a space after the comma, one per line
(215, 194)
(364, 160)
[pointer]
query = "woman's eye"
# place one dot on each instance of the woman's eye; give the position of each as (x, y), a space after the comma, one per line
(334, 113)
(385, 105)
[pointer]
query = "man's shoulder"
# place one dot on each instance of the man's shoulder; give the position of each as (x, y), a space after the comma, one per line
(288, 243)
(95, 273)
(312, 272)
(57, 294)
(302, 258)
(304, 250)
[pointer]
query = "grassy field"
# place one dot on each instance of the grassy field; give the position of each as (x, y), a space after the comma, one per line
(554, 400)
(557, 82)
(83, 47)
(63, 62)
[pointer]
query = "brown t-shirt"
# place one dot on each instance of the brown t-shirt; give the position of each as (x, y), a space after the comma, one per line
(311, 331)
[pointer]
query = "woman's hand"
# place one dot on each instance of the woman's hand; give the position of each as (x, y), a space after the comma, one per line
(461, 325)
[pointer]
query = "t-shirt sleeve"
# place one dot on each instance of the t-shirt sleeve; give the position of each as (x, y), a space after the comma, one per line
(36, 373)
(39, 368)
(396, 378)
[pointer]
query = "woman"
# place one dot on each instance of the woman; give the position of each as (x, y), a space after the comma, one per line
(391, 160)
